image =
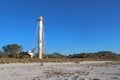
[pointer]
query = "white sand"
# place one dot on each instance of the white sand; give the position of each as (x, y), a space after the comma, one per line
(88, 70)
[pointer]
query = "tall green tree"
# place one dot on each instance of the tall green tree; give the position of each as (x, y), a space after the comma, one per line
(12, 49)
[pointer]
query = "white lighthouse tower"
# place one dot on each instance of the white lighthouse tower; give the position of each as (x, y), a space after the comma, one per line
(40, 34)
(40, 37)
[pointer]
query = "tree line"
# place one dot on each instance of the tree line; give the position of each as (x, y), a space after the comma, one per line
(16, 51)
(12, 51)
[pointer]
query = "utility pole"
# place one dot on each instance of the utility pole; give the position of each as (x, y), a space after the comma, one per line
(40, 33)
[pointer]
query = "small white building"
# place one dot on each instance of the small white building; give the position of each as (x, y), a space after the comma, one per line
(30, 53)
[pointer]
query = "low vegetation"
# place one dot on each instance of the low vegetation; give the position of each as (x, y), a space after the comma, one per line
(13, 53)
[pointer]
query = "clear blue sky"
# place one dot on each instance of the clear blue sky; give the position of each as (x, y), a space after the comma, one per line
(71, 26)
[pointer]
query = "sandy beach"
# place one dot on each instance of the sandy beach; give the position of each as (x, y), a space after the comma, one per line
(86, 70)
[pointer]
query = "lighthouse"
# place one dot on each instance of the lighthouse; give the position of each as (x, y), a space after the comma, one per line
(40, 35)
